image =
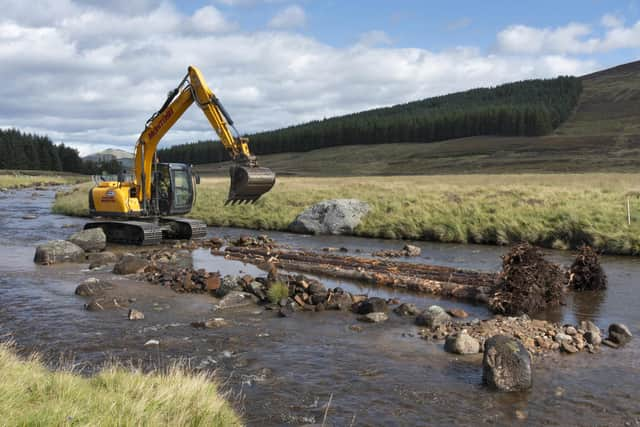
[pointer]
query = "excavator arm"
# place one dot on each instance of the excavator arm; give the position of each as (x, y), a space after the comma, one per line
(248, 181)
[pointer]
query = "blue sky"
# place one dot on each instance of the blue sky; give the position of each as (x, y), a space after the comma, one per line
(106, 65)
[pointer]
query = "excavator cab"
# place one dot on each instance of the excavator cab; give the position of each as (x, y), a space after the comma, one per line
(173, 188)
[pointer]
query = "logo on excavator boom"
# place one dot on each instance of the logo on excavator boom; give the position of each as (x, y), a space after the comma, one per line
(163, 121)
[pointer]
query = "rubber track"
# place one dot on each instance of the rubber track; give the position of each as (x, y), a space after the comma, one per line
(198, 228)
(152, 233)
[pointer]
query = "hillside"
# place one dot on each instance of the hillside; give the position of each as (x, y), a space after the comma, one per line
(109, 153)
(602, 134)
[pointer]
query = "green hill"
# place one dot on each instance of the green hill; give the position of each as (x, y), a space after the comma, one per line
(602, 133)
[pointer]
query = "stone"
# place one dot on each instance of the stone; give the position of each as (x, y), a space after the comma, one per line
(92, 287)
(372, 305)
(567, 347)
(212, 283)
(102, 303)
(91, 240)
(98, 259)
(340, 301)
(228, 284)
(458, 312)
(338, 216)
(593, 337)
(57, 251)
(130, 264)
(214, 323)
(588, 325)
(30, 216)
(135, 314)
(406, 309)
(610, 343)
(461, 343)
(560, 338)
(235, 299)
(619, 334)
(411, 250)
(374, 317)
(151, 342)
(317, 288)
(570, 330)
(506, 364)
(433, 317)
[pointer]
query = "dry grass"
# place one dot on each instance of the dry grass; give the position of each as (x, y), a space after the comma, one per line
(552, 210)
(33, 395)
(22, 179)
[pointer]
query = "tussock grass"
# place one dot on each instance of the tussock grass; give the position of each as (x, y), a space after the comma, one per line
(551, 210)
(278, 291)
(11, 179)
(32, 395)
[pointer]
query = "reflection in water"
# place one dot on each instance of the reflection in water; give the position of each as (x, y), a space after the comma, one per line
(587, 304)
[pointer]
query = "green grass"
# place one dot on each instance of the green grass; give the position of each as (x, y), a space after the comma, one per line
(551, 210)
(23, 179)
(33, 395)
(278, 291)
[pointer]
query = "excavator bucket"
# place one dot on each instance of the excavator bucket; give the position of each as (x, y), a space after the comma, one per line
(248, 183)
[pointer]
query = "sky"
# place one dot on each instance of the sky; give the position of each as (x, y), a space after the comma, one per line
(90, 73)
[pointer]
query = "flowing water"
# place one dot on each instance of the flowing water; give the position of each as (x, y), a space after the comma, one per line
(284, 371)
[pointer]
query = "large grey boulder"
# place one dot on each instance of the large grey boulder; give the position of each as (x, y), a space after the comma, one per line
(338, 216)
(619, 333)
(57, 251)
(91, 240)
(433, 317)
(506, 364)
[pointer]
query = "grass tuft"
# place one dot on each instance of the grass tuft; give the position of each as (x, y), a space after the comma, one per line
(33, 395)
(278, 291)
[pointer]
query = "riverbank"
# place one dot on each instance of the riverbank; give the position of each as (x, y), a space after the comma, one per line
(25, 179)
(559, 211)
(33, 395)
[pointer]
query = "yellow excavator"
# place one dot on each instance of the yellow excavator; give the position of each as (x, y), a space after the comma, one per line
(140, 210)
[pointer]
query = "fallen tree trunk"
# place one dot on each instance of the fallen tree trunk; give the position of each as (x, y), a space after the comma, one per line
(436, 280)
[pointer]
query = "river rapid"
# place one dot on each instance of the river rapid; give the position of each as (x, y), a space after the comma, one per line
(283, 371)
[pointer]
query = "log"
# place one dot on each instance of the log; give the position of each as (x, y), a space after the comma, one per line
(415, 277)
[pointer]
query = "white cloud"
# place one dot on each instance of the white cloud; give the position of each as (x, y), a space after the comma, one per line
(374, 38)
(289, 17)
(92, 76)
(574, 38)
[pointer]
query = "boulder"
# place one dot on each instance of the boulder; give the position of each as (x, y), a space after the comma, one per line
(234, 299)
(91, 240)
(338, 216)
(458, 312)
(411, 250)
(92, 287)
(57, 251)
(593, 337)
(372, 305)
(374, 317)
(461, 343)
(406, 309)
(130, 264)
(340, 301)
(433, 317)
(506, 364)
(619, 334)
(317, 288)
(135, 314)
(98, 259)
(228, 284)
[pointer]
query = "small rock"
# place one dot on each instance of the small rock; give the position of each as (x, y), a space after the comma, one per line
(106, 303)
(458, 312)
(356, 328)
(91, 240)
(406, 309)
(570, 330)
(228, 284)
(560, 338)
(588, 325)
(411, 250)
(92, 286)
(433, 317)
(461, 343)
(212, 283)
(568, 347)
(593, 337)
(619, 334)
(317, 288)
(29, 216)
(98, 259)
(151, 342)
(374, 317)
(135, 314)
(506, 364)
(372, 305)
(236, 299)
(130, 264)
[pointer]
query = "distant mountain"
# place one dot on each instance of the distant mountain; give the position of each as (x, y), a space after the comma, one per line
(124, 157)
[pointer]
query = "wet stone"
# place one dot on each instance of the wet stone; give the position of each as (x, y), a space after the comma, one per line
(619, 334)
(433, 317)
(372, 305)
(406, 309)
(506, 364)
(135, 314)
(375, 317)
(92, 287)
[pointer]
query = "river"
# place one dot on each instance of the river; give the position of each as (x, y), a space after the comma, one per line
(284, 371)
